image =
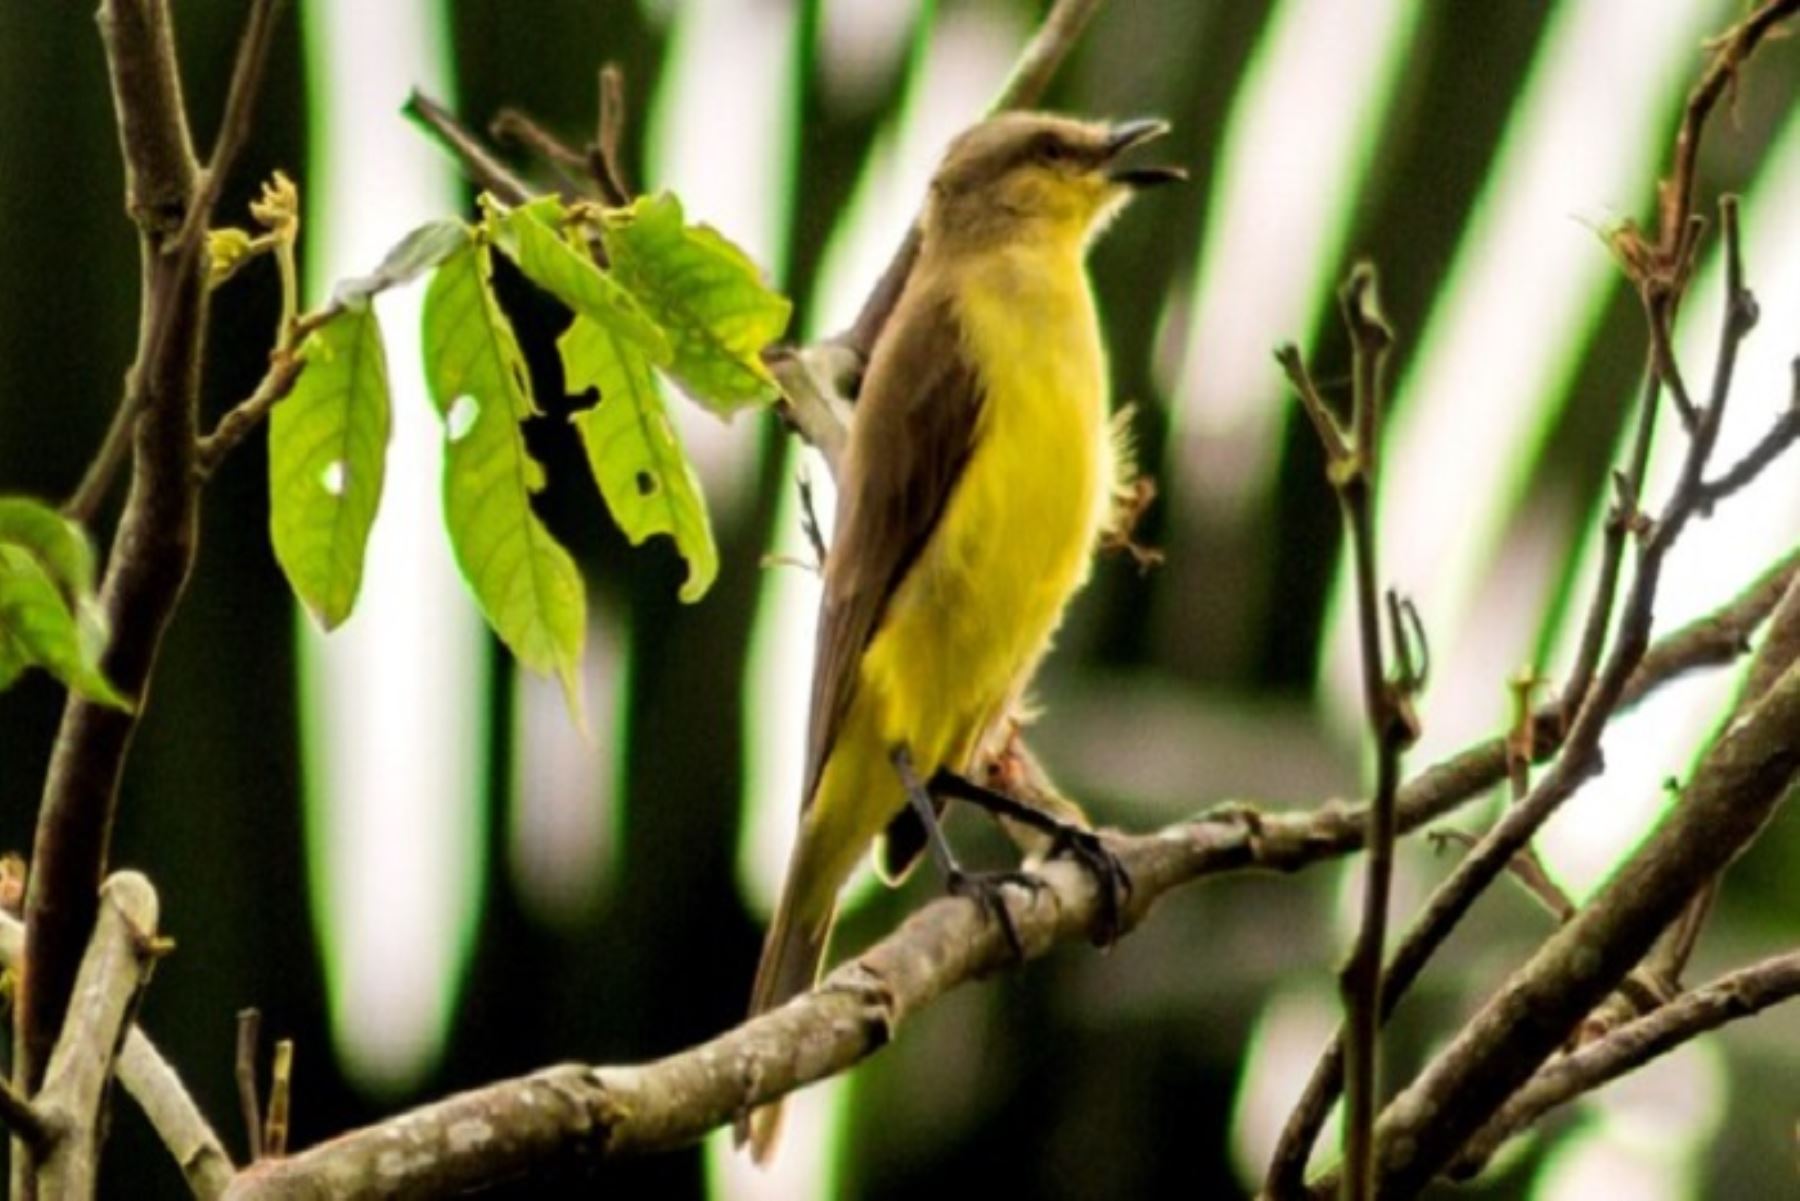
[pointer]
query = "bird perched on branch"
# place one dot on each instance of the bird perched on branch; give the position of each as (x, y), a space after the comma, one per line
(979, 476)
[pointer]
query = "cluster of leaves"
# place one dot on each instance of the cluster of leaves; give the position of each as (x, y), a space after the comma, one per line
(49, 616)
(649, 293)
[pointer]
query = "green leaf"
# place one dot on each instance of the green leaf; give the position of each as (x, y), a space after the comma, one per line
(59, 544)
(526, 584)
(528, 236)
(39, 628)
(707, 295)
(411, 257)
(634, 452)
(327, 455)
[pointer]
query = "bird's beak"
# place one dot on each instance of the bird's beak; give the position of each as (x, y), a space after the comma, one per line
(1123, 137)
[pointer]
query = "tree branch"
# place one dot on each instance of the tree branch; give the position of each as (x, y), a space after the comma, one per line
(1730, 50)
(154, 547)
(1351, 464)
(26, 1123)
(1751, 767)
(113, 970)
(575, 1113)
(488, 172)
(1579, 758)
(159, 1092)
(1743, 993)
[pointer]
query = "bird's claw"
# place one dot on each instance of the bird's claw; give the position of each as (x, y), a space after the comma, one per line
(984, 888)
(1110, 876)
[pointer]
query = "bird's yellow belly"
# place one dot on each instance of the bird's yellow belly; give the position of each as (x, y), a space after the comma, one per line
(980, 606)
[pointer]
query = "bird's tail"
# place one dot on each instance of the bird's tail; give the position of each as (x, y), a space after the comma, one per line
(791, 956)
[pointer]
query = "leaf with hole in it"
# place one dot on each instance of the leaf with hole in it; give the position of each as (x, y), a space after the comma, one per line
(57, 543)
(526, 584)
(634, 452)
(327, 456)
(38, 627)
(705, 293)
(411, 257)
(528, 236)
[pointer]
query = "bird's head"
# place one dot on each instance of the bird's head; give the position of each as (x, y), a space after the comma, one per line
(1038, 175)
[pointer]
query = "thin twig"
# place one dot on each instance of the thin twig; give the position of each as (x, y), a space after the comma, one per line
(1730, 51)
(605, 158)
(1735, 793)
(1525, 867)
(1621, 519)
(281, 1081)
(240, 107)
(487, 171)
(1580, 756)
(1740, 994)
(1779, 436)
(83, 505)
(249, 1036)
(514, 125)
(247, 414)
(1352, 471)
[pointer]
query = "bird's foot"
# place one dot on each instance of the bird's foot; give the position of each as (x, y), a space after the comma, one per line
(986, 889)
(1110, 877)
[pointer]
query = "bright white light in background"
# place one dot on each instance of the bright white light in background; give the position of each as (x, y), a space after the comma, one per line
(1520, 302)
(813, 1120)
(1650, 1140)
(971, 51)
(1293, 1028)
(1296, 148)
(564, 780)
(720, 134)
(968, 57)
(860, 42)
(1715, 556)
(394, 703)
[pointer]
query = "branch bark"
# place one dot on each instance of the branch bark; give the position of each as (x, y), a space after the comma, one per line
(1741, 994)
(113, 970)
(154, 548)
(154, 1084)
(1745, 775)
(575, 1113)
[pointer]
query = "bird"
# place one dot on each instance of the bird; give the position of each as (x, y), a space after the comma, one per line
(979, 473)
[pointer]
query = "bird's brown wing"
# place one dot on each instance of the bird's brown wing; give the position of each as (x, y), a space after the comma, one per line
(911, 437)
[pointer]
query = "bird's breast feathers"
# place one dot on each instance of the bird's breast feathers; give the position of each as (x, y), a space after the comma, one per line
(1017, 535)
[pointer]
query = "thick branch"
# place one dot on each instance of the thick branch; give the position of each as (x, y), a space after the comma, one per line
(1741, 781)
(154, 547)
(575, 1113)
(1741, 994)
(113, 970)
(22, 1118)
(159, 1092)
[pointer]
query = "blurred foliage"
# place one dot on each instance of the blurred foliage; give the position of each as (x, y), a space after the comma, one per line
(1083, 1075)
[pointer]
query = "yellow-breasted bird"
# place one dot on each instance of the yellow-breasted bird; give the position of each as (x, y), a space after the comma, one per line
(978, 477)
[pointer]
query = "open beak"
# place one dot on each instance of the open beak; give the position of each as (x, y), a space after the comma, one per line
(1123, 137)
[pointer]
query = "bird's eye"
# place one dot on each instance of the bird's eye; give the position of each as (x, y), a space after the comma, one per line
(1052, 150)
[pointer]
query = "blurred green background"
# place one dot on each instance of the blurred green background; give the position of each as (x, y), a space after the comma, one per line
(404, 855)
